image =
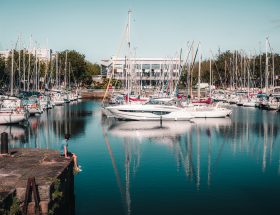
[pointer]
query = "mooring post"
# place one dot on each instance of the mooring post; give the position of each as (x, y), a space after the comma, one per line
(160, 121)
(31, 187)
(4, 143)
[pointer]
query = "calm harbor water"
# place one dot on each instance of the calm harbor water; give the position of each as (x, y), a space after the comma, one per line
(208, 166)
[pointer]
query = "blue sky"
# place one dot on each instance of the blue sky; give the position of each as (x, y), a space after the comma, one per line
(159, 27)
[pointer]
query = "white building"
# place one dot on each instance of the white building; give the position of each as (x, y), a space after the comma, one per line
(148, 70)
(5, 54)
(43, 54)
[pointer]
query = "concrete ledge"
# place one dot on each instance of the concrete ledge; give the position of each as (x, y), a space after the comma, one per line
(48, 168)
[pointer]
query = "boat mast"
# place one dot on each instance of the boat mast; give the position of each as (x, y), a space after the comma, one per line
(65, 74)
(199, 68)
(266, 67)
(56, 70)
(23, 69)
(191, 72)
(129, 60)
(69, 69)
(12, 74)
(36, 72)
(210, 90)
(28, 73)
(248, 77)
(19, 79)
(273, 72)
(29, 64)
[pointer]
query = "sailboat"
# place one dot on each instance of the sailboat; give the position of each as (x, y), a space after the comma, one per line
(11, 116)
(206, 111)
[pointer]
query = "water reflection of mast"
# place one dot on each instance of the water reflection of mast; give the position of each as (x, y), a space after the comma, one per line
(181, 158)
(116, 171)
(189, 164)
(127, 176)
(264, 146)
(36, 139)
(69, 115)
(234, 140)
(271, 142)
(198, 158)
(48, 131)
(208, 131)
(247, 132)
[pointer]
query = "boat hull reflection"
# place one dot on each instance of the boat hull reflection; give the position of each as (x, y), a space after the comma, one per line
(143, 129)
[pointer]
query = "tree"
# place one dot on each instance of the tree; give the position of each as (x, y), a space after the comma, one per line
(92, 69)
(77, 64)
(3, 74)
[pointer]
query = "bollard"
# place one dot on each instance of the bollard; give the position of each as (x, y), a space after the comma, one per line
(160, 121)
(4, 143)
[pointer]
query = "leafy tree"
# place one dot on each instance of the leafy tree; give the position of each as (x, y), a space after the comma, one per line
(3, 74)
(77, 65)
(92, 69)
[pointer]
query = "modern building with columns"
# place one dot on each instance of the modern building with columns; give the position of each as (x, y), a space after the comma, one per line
(147, 70)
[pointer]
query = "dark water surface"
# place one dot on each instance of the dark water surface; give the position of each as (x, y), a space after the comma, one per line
(216, 166)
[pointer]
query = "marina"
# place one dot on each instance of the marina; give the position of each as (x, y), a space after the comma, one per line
(221, 163)
(139, 107)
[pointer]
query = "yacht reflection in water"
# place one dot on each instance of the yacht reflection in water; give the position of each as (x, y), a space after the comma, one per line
(164, 133)
(167, 133)
(199, 145)
(48, 129)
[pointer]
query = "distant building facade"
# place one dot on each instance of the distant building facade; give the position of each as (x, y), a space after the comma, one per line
(148, 70)
(5, 54)
(43, 54)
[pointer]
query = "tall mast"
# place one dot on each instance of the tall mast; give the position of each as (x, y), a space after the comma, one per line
(225, 74)
(129, 60)
(266, 67)
(29, 63)
(248, 76)
(56, 70)
(273, 72)
(24, 70)
(191, 71)
(199, 68)
(59, 74)
(12, 74)
(28, 73)
(19, 79)
(38, 76)
(36, 70)
(210, 76)
(65, 74)
(261, 70)
(236, 69)
(69, 70)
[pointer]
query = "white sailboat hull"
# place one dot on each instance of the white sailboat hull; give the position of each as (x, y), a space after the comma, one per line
(249, 104)
(58, 102)
(215, 113)
(11, 117)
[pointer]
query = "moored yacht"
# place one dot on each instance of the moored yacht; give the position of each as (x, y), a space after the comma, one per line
(8, 116)
(209, 112)
(148, 112)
